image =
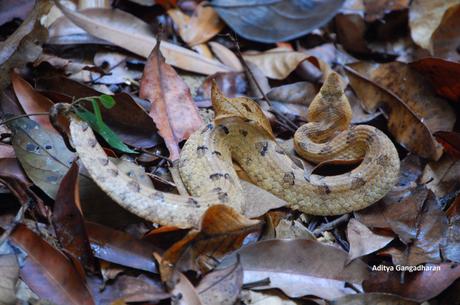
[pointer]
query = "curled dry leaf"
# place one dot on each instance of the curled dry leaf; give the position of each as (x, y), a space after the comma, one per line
(68, 221)
(300, 267)
(419, 286)
(129, 32)
(222, 286)
(405, 125)
(173, 109)
(226, 56)
(425, 16)
(200, 27)
(446, 38)
(48, 272)
(276, 63)
(363, 241)
(222, 230)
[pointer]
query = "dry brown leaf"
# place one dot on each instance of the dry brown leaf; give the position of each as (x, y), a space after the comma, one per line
(363, 241)
(403, 122)
(173, 109)
(200, 27)
(442, 177)
(299, 267)
(184, 293)
(222, 230)
(276, 63)
(127, 31)
(259, 201)
(221, 286)
(446, 38)
(425, 17)
(373, 298)
(242, 107)
(9, 269)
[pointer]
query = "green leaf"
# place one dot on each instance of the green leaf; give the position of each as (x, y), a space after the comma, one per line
(107, 101)
(98, 125)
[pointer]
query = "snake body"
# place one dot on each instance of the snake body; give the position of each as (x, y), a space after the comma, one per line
(206, 169)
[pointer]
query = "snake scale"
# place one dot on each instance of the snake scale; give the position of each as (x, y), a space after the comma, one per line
(205, 165)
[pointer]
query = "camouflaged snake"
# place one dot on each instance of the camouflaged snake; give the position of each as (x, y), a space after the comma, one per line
(206, 169)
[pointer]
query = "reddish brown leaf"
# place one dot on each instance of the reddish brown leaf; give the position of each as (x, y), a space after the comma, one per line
(48, 272)
(222, 230)
(444, 75)
(420, 286)
(450, 141)
(68, 221)
(32, 101)
(121, 248)
(173, 109)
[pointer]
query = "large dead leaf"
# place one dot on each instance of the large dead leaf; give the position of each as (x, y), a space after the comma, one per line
(173, 108)
(300, 267)
(406, 126)
(419, 286)
(48, 272)
(68, 221)
(363, 241)
(131, 33)
(200, 27)
(425, 17)
(291, 18)
(222, 230)
(121, 248)
(24, 45)
(276, 63)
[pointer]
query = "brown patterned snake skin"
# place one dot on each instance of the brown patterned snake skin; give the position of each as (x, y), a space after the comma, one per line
(206, 169)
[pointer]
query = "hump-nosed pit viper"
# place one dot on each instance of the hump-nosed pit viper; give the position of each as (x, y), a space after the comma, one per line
(205, 165)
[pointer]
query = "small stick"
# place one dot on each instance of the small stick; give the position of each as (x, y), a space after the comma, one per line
(331, 225)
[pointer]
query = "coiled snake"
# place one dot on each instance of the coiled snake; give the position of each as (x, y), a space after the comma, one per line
(206, 169)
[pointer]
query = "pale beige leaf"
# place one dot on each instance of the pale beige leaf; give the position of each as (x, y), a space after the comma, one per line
(131, 33)
(184, 293)
(200, 27)
(276, 63)
(425, 17)
(363, 241)
(9, 269)
(226, 56)
(259, 201)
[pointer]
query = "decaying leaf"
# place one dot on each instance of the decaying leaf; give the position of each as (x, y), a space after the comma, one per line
(48, 272)
(446, 39)
(442, 177)
(221, 286)
(450, 141)
(406, 126)
(24, 45)
(222, 230)
(200, 27)
(363, 241)
(68, 220)
(419, 286)
(131, 33)
(173, 109)
(9, 268)
(425, 16)
(300, 267)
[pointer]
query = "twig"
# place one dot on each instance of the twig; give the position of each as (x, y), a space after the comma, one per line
(331, 225)
(262, 282)
(22, 116)
(289, 124)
